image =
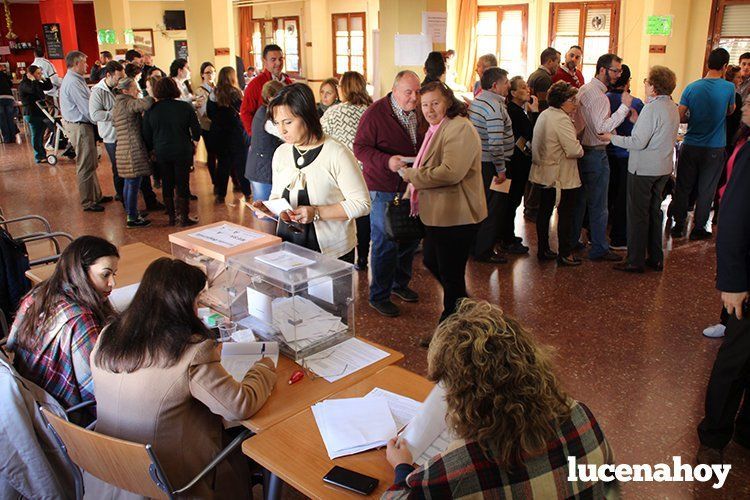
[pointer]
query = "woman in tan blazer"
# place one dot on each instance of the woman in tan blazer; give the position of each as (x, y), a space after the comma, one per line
(158, 380)
(554, 165)
(447, 190)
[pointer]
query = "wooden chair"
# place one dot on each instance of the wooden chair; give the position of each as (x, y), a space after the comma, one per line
(124, 464)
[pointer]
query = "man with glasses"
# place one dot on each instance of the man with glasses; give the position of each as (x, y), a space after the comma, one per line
(595, 117)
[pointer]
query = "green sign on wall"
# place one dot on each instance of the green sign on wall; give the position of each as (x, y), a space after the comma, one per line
(659, 25)
(106, 36)
(129, 37)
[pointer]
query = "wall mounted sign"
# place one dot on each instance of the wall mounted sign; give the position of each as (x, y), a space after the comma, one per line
(180, 49)
(657, 49)
(106, 36)
(144, 41)
(659, 25)
(53, 41)
(221, 51)
(129, 37)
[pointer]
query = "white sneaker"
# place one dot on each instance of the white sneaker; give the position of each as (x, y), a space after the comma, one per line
(714, 331)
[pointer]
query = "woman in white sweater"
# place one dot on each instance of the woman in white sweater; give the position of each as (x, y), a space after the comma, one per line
(317, 175)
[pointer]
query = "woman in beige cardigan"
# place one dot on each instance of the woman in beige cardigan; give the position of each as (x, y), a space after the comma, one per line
(447, 190)
(554, 166)
(158, 379)
(317, 175)
(132, 159)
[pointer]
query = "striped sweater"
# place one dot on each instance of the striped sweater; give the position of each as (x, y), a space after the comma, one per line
(489, 116)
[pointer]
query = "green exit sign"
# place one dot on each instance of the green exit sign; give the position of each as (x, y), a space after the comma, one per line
(659, 25)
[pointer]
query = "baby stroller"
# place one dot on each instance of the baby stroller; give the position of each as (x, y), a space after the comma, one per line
(58, 138)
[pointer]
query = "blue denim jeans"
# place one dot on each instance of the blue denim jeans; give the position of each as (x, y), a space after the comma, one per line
(130, 196)
(391, 262)
(261, 191)
(36, 128)
(594, 170)
(8, 112)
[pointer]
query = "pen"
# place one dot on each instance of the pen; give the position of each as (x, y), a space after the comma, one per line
(296, 376)
(263, 351)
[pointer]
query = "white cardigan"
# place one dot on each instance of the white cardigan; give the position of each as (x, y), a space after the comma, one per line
(333, 177)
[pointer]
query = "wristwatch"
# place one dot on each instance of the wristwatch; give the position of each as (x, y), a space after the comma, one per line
(316, 216)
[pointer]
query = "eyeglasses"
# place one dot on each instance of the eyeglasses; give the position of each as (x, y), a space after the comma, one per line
(616, 71)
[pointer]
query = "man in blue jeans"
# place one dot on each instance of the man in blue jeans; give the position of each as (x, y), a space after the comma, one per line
(595, 116)
(704, 106)
(387, 135)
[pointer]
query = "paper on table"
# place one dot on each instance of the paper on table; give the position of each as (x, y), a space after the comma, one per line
(226, 236)
(284, 260)
(238, 357)
(352, 425)
(428, 424)
(277, 206)
(343, 359)
(120, 298)
(403, 409)
(437, 446)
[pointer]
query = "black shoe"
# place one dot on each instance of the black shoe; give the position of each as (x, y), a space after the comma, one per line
(94, 208)
(624, 266)
(607, 257)
(118, 197)
(139, 222)
(386, 308)
(742, 441)
(656, 266)
(193, 197)
(105, 199)
(493, 258)
(154, 206)
(568, 261)
(678, 231)
(699, 234)
(360, 266)
(709, 456)
(405, 294)
(579, 246)
(546, 255)
(516, 248)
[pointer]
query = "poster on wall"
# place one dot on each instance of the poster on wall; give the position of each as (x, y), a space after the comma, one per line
(435, 25)
(53, 41)
(180, 49)
(144, 41)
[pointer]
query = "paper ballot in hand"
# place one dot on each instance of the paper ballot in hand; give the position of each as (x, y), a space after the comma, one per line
(428, 426)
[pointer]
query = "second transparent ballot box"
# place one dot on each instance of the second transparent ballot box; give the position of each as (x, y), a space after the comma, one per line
(300, 298)
(209, 248)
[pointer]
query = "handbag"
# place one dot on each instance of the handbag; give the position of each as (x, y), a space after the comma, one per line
(400, 225)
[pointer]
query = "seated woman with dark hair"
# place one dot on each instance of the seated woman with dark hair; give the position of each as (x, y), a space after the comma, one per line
(514, 425)
(59, 321)
(159, 380)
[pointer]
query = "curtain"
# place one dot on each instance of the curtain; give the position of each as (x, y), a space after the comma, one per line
(466, 46)
(246, 34)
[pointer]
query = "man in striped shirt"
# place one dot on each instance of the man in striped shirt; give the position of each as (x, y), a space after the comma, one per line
(595, 116)
(489, 115)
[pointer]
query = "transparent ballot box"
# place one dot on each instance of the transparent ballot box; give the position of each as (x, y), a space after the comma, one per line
(209, 248)
(295, 296)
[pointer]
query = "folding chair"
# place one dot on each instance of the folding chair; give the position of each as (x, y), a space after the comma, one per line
(129, 466)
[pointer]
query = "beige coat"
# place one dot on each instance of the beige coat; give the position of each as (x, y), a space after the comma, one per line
(451, 191)
(178, 410)
(131, 155)
(554, 151)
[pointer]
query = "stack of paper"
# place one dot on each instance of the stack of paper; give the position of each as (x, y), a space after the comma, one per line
(427, 433)
(402, 408)
(300, 319)
(343, 359)
(350, 426)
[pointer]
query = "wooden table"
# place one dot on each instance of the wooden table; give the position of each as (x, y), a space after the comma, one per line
(294, 451)
(134, 259)
(287, 400)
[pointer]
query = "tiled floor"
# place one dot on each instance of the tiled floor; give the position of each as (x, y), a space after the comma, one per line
(627, 345)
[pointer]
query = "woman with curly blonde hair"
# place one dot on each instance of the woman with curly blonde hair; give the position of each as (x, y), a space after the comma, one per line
(514, 425)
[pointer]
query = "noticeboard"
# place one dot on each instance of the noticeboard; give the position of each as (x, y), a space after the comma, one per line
(53, 41)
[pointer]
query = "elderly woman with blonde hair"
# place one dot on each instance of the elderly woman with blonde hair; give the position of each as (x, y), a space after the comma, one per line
(514, 426)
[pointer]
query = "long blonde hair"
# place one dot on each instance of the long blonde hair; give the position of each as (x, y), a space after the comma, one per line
(500, 388)
(227, 90)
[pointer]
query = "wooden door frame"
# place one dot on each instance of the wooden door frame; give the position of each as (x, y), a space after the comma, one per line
(348, 16)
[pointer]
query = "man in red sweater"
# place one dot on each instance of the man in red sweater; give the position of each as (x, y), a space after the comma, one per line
(569, 71)
(273, 63)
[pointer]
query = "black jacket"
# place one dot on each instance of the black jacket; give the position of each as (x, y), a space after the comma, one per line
(733, 240)
(31, 91)
(6, 84)
(262, 148)
(226, 127)
(169, 129)
(523, 126)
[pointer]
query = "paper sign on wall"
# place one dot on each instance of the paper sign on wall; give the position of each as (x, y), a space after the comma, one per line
(435, 25)
(411, 50)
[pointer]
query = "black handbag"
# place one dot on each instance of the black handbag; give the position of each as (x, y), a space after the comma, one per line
(400, 225)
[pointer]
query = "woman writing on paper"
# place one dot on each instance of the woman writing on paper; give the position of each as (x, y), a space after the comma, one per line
(59, 321)
(514, 425)
(159, 380)
(317, 175)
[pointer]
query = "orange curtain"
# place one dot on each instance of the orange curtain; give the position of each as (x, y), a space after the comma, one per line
(466, 36)
(246, 34)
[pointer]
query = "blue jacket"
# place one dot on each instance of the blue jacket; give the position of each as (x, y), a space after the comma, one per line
(262, 147)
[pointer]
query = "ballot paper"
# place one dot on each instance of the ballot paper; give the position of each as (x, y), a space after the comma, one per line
(120, 298)
(238, 357)
(226, 236)
(426, 430)
(299, 318)
(402, 408)
(277, 206)
(343, 359)
(284, 260)
(353, 425)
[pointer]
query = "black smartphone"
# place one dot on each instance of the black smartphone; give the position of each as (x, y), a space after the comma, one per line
(352, 481)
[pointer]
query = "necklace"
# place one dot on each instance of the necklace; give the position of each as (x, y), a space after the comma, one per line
(301, 159)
